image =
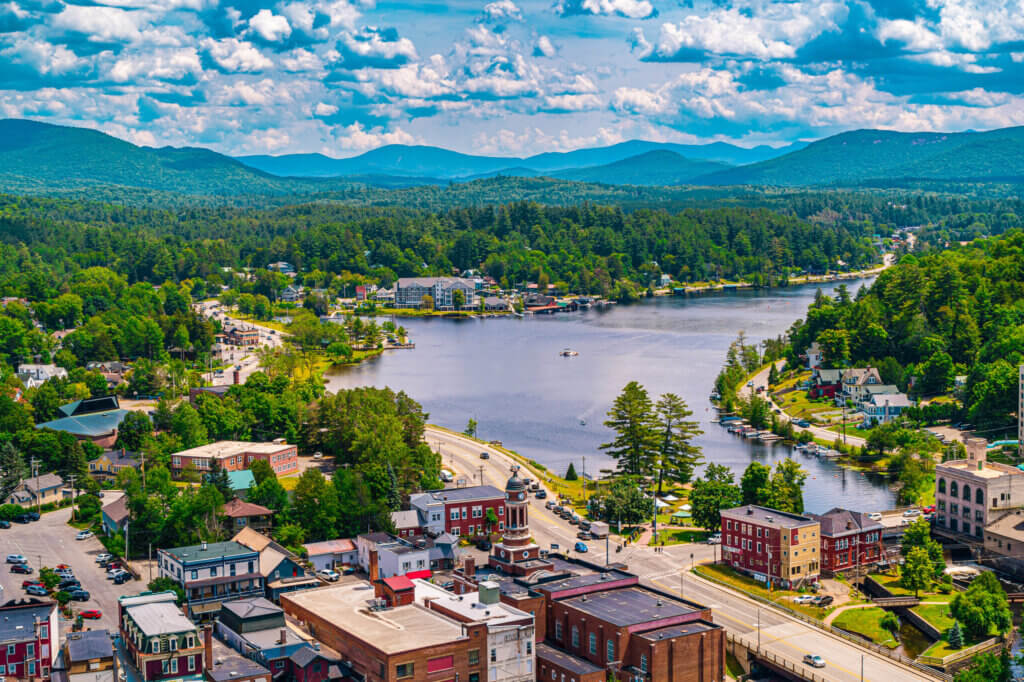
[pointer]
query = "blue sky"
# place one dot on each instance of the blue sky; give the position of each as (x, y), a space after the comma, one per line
(511, 77)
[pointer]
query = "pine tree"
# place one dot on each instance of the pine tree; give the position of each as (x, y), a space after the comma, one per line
(956, 636)
(219, 478)
(394, 495)
(676, 455)
(570, 473)
(12, 469)
(636, 442)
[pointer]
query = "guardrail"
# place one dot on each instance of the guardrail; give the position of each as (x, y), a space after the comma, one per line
(962, 653)
(839, 632)
(776, 660)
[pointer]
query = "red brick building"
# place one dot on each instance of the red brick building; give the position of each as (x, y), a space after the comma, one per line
(517, 553)
(770, 545)
(29, 639)
(849, 541)
(461, 511)
(233, 455)
(160, 642)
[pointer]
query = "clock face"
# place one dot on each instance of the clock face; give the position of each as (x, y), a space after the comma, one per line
(522, 495)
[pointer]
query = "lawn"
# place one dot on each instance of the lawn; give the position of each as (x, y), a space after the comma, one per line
(936, 614)
(724, 574)
(680, 537)
(867, 623)
(797, 405)
(941, 648)
(289, 482)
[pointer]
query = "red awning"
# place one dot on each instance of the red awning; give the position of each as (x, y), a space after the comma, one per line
(425, 575)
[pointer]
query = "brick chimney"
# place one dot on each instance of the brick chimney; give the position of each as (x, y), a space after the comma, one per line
(208, 646)
(469, 567)
(284, 636)
(374, 570)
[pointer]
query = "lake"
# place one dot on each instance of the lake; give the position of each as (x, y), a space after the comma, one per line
(507, 374)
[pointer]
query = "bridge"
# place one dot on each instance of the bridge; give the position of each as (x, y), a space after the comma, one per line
(1015, 597)
(892, 602)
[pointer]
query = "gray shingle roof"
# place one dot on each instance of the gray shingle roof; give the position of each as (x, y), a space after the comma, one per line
(85, 646)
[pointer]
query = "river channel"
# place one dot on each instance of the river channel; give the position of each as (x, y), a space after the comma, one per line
(507, 374)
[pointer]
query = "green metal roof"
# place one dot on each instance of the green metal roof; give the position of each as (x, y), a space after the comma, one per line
(241, 480)
(90, 425)
(214, 550)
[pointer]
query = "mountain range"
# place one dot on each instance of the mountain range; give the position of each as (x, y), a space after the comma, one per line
(40, 158)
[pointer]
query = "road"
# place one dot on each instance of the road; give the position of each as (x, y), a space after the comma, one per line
(780, 634)
(245, 357)
(760, 380)
(50, 541)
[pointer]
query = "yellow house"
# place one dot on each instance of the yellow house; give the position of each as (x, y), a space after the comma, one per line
(39, 490)
(111, 462)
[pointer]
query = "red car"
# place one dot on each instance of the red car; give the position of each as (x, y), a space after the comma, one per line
(26, 583)
(21, 568)
(91, 613)
(61, 567)
(930, 509)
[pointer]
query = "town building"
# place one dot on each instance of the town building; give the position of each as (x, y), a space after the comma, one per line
(882, 408)
(971, 492)
(510, 632)
(34, 376)
(309, 665)
(238, 336)
(240, 514)
(770, 545)
(93, 419)
(87, 657)
(233, 455)
(284, 267)
(29, 638)
(409, 292)
(855, 382)
(281, 570)
(256, 628)
(461, 511)
(212, 573)
(115, 515)
(825, 383)
(39, 490)
(240, 482)
(517, 553)
(334, 554)
(850, 541)
(159, 641)
(814, 356)
(406, 523)
(291, 294)
(109, 464)
(382, 644)
(382, 555)
(555, 664)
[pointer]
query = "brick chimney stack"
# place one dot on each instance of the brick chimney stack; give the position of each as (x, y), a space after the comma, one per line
(208, 647)
(374, 570)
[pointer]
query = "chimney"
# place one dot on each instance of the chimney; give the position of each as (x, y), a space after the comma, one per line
(284, 636)
(469, 567)
(374, 571)
(208, 646)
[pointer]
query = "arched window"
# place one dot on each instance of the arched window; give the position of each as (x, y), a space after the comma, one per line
(979, 496)
(942, 485)
(967, 492)
(954, 489)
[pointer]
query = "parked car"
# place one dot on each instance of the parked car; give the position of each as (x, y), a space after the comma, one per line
(542, 494)
(318, 456)
(930, 509)
(446, 476)
(484, 455)
(574, 520)
(68, 585)
(550, 504)
(5, 524)
(875, 516)
(802, 423)
(581, 547)
(36, 590)
(103, 556)
(803, 599)
(23, 569)
(122, 578)
(328, 575)
(714, 539)
(65, 574)
(584, 535)
(91, 613)
(555, 547)
(16, 559)
(83, 535)
(912, 512)
(33, 516)
(814, 660)
(557, 509)
(26, 583)
(112, 575)
(822, 600)
(22, 518)
(78, 594)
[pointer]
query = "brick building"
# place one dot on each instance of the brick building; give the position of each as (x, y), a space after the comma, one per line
(849, 541)
(517, 553)
(160, 642)
(770, 545)
(29, 636)
(234, 455)
(461, 511)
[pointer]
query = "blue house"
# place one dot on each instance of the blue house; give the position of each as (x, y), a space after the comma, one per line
(281, 570)
(115, 515)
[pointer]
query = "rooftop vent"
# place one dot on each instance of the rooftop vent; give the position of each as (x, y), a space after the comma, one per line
(768, 519)
(203, 547)
(750, 511)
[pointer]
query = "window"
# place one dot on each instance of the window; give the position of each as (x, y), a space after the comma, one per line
(529, 646)
(954, 508)
(494, 655)
(593, 643)
(156, 646)
(463, 512)
(191, 641)
(979, 496)
(643, 662)
(403, 670)
(474, 657)
(477, 512)
(967, 493)
(31, 668)
(610, 650)
(942, 505)
(195, 575)
(2, 670)
(759, 547)
(474, 677)
(455, 514)
(174, 665)
(954, 488)
(174, 644)
(213, 571)
(575, 637)
(455, 531)
(232, 569)
(558, 630)
(44, 631)
(192, 663)
(164, 666)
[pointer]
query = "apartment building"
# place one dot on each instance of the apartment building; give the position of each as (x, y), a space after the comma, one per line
(409, 292)
(212, 573)
(849, 541)
(234, 455)
(772, 546)
(29, 639)
(970, 493)
(87, 657)
(461, 511)
(160, 642)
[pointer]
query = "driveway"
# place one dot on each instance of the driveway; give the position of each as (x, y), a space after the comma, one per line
(50, 541)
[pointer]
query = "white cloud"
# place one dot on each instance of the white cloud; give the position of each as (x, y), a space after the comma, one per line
(100, 24)
(167, 65)
(913, 34)
(272, 28)
(45, 58)
(633, 9)
(374, 47)
(301, 59)
(234, 56)
(502, 10)
(544, 48)
(571, 103)
(355, 137)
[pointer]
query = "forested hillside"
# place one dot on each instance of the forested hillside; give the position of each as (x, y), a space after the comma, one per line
(955, 312)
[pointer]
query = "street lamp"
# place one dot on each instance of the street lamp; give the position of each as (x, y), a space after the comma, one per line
(759, 630)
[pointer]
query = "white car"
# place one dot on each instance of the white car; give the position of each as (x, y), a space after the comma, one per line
(16, 559)
(83, 535)
(318, 455)
(328, 575)
(912, 512)
(714, 539)
(103, 556)
(803, 599)
(875, 516)
(814, 660)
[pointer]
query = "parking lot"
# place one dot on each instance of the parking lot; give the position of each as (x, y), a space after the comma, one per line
(50, 541)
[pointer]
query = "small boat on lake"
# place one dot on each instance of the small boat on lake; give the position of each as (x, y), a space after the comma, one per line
(568, 353)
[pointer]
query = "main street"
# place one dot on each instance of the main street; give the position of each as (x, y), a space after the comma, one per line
(779, 634)
(244, 358)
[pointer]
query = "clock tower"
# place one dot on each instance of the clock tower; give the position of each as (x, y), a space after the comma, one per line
(517, 553)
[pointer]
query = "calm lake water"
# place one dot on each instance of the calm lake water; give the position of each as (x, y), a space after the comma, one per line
(508, 375)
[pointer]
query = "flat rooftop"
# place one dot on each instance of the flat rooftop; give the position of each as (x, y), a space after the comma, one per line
(468, 605)
(672, 631)
(764, 516)
(585, 580)
(209, 551)
(392, 631)
(232, 448)
(629, 606)
(989, 470)
(160, 618)
(566, 661)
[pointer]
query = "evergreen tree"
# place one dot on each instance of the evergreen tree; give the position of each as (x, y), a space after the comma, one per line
(12, 469)
(218, 477)
(570, 473)
(394, 498)
(636, 442)
(956, 636)
(676, 456)
(754, 483)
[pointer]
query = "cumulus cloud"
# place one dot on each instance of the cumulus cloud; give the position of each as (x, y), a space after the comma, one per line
(235, 56)
(356, 138)
(376, 48)
(544, 48)
(502, 10)
(269, 27)
(633, 9)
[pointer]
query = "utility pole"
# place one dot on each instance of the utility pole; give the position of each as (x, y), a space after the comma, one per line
(481, 474)
(844, 422)
(150, 561)
(584, 480)
(72, 477)
(759, 630)
(35, 474)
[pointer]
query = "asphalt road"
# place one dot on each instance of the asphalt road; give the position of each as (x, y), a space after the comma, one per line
(668, 570)
(50, 541)
(245, 357)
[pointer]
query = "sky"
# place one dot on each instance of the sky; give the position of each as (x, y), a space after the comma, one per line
(508, 77)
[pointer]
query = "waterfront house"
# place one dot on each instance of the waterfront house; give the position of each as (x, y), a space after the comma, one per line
(854, 382)
(409, 292)
(284, 267)
(882, 408)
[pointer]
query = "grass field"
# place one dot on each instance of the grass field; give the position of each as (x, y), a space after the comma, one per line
(936, 614)
(797, 405)
(741, 582)
(680, 537)
(868, 623)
